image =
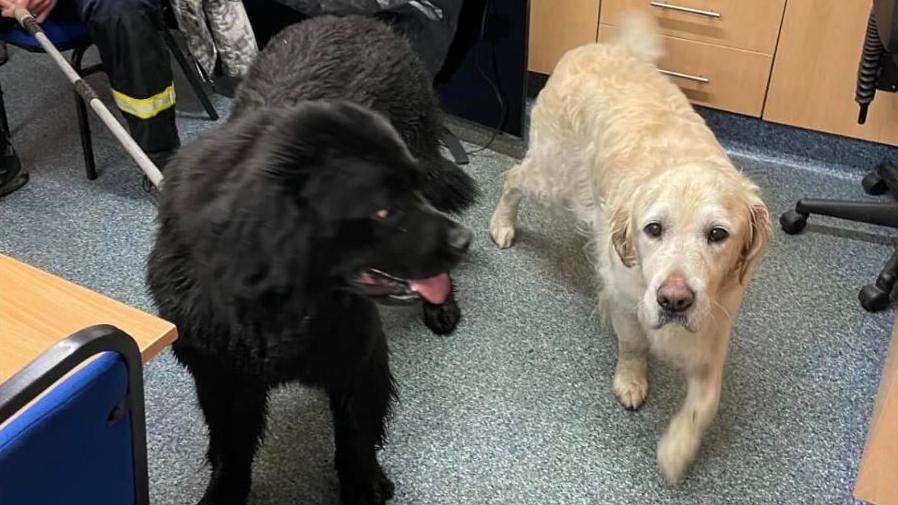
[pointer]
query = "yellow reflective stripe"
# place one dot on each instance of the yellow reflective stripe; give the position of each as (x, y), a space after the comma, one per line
(145, 108)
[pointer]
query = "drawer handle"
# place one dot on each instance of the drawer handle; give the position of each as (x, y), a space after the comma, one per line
(700, 12)
(690, 77)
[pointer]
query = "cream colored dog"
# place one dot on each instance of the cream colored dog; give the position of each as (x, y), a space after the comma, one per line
(677, 229)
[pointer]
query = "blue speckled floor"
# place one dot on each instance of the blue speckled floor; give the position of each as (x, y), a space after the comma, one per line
(516, 407)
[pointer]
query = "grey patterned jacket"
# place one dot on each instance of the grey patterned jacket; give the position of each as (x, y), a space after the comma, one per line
(217, 30)
(220, 29)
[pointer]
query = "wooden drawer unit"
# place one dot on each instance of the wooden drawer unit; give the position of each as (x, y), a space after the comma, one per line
(742, 24)
(716, 76)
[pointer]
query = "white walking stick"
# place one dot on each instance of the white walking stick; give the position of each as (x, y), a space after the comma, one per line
(30, 24)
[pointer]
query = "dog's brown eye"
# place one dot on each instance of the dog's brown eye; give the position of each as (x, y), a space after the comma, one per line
(717, 235)
(382, 213)
(653, 230)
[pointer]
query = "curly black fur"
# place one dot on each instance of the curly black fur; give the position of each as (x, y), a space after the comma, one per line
(266, 225)
(362, 60)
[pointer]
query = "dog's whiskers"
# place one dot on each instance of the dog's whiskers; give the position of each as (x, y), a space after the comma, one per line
(716, 309)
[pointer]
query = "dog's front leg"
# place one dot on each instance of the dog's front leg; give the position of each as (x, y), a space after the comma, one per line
(442, 318)
(680, 444)
(502, 223)
(235, 408)
(504, 218)
(360, 406)
(631, 383)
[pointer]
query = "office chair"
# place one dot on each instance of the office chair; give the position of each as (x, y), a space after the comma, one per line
(71, 34)
(85, 440)
(878, 70)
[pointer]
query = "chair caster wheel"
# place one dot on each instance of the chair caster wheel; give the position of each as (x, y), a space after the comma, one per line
(872, 298)
(873, 184)
(792, 222)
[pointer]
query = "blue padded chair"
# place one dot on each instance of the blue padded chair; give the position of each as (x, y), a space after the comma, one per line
(84, 442)
(72, 34)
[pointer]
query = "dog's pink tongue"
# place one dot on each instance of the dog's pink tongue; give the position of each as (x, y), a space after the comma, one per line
(435, 289)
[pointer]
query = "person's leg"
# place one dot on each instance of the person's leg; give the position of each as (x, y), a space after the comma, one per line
(5, 23)
(12, 176)
(127, 35)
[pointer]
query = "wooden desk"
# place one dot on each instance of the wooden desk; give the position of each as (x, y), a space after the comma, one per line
(877, 479)
(38, 309)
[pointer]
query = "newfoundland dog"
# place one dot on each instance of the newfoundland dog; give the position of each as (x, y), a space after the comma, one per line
(279, 231)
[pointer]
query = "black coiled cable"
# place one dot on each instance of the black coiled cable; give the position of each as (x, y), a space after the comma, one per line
(868, 71)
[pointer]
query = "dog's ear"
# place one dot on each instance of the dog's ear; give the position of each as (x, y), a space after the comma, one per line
(759, 230)
(622, 235)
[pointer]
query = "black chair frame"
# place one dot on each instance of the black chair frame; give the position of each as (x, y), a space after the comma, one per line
(56, 362)
(877, 295)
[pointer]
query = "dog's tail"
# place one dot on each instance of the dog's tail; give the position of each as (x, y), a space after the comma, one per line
(638, 34)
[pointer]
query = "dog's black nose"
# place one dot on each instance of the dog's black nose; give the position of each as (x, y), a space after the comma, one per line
(676, 304)
(459, 238)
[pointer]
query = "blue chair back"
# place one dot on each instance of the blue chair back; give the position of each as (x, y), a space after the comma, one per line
(84, 441)
(64, 33)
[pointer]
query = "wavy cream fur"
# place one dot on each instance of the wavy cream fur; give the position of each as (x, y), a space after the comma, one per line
(619, 145)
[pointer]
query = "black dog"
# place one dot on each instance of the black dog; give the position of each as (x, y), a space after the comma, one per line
(361, 60)
(278, 231)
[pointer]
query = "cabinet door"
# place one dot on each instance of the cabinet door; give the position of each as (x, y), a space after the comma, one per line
(815, 70)
(559, 25)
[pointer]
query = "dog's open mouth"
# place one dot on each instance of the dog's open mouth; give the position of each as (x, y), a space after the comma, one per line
(378, 284)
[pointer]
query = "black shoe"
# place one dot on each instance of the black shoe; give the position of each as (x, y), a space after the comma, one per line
(160, 158)
(12, 177)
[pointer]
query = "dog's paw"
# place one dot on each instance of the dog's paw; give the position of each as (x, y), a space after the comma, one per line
(501, 231)
(387, 488)
(630, 387)
(226, 490)
(208, 500)
(442, 319)
(375, 491)
(676, 450)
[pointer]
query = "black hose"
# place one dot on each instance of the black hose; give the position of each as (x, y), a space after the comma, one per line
(868, 71)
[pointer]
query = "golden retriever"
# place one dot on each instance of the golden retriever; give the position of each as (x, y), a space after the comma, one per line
(677, 229)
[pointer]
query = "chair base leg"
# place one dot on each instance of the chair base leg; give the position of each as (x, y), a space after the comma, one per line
(883, 179)
(883, 214)
(875, 297)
